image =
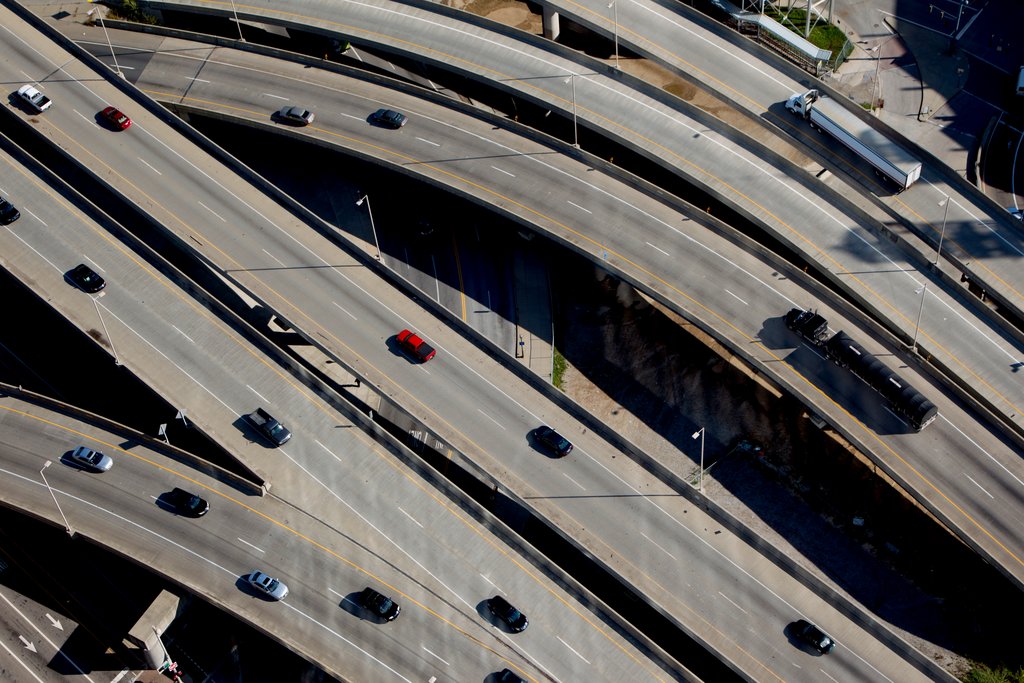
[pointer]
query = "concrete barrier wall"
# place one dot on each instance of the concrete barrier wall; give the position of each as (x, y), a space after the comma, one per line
(853, 610)
(243, 484)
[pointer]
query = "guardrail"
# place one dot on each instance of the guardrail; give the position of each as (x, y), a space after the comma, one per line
(380, 428)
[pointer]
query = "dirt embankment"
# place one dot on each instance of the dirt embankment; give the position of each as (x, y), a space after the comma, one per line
(657, 379)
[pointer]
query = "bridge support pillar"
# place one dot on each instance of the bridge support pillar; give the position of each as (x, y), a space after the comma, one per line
(551, 29)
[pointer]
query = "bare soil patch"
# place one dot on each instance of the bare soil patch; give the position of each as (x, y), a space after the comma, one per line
(657, 379)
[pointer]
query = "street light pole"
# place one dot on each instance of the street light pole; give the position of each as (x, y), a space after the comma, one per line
(615, 8)
(103, 323)
(874, 87)
(700, 480)
(575, 129)
(99, 15)
(945, 211)
(238, 24)
(959, 14)
(373, 227)
(67, 525)
(917, 327)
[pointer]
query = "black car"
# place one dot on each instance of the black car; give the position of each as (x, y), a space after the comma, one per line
(186, 503)
(388, 118)
(381, 605)
(86, 278)
(8, 212)
(558, 444)
(270, 427)
(503, 609)
(813, 636)
(506, 676)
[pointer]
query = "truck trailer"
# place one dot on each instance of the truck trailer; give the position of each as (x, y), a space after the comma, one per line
(905, 400)
(885, 156)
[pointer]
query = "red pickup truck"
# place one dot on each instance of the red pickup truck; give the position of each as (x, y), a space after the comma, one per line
(412, 344)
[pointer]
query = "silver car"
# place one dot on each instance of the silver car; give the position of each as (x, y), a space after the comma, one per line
(268, 585)
(91, 459)
(296, 115)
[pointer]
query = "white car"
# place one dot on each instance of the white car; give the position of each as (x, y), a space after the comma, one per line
(269, 586)
(90, 459)
(34, 98)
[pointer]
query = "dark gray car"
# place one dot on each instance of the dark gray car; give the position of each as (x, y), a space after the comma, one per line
(555, 442)
(380, 605)
(388, 118)
(509, 615)
(87, 279)
(813, 636)
(8, 212)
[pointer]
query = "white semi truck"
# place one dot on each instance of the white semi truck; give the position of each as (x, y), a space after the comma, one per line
(887, 158)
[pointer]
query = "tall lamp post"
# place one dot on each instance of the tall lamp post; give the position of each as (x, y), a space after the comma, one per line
(615, 8)
(238, 24)
(700, 479)
(877, 49)
(875, 90)
(575, 129)
(917, 327)
(67, 525)
(99, 15)
(373, 227)
(945, 211)
(959, 14)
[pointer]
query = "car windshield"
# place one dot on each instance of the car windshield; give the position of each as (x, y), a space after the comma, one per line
(385, 604)
(514, 614)
(277, 429)
(270, 584)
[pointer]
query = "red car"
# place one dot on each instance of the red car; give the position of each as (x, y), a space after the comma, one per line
(116, 118)
(416, 346)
